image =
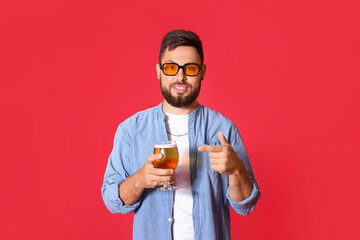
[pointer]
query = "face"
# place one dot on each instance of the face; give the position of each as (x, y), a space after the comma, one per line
(180, 90)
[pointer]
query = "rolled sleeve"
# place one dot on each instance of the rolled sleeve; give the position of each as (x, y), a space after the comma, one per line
(245, 206)
(116, 172)
(110, 192)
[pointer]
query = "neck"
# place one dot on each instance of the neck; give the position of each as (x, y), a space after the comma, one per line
(179, 110)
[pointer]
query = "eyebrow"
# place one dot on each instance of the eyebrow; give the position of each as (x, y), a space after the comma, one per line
(171, 61)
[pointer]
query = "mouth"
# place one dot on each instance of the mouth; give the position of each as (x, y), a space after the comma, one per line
(180, 88)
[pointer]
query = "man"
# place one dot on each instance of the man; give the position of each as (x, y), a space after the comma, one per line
(213, 171)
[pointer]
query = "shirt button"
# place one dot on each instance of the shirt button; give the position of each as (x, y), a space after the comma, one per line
(169, 219)
(110, 181)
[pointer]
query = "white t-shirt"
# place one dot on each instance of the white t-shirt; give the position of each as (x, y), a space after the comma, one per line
(183, 226)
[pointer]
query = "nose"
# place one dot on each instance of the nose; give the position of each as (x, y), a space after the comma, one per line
(180, 76)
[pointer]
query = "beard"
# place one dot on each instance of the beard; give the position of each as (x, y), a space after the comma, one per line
(179, 100)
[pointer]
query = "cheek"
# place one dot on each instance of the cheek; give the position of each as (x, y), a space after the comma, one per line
(196, 83)
(164, 82)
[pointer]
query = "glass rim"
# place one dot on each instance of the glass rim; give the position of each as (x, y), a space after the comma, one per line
(165, 143)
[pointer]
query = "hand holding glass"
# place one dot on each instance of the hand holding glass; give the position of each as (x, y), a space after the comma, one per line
(169, 160)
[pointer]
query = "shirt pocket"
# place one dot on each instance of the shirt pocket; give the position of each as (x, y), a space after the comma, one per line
(213, 143)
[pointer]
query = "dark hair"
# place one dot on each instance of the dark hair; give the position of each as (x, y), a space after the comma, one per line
(178, 38)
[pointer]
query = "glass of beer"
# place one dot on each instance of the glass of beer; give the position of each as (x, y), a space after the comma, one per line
(169, 160)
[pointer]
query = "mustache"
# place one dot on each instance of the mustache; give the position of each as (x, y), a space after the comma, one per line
(180, 83)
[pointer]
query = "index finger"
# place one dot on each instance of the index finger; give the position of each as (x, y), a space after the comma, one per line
(210, 148)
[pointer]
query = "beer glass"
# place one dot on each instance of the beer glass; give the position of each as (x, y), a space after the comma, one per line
(169, 160)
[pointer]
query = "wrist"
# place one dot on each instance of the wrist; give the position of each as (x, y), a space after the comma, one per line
(236, 172)
(240, 186)
(138, 183)
(240, 179)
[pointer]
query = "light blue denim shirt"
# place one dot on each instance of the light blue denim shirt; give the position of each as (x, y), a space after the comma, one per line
(134, 142)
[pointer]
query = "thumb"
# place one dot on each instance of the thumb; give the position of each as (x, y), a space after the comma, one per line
(153, 157)
(222, 139)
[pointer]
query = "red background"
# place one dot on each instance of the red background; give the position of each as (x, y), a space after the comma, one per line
(286, 73)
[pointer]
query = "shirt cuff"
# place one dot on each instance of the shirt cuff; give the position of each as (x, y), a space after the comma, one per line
(116, 204)
(245, 206)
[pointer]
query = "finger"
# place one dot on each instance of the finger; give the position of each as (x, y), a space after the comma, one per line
(218, 168)
(216, 161)
(222, 138)
(158, 181)
(163, 183)
(217, 154)
(210, 148)
(163, 179)
(154, 157)
(162, 172)
(155, 184)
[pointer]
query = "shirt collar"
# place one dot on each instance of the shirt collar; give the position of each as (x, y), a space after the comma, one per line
(161, 113)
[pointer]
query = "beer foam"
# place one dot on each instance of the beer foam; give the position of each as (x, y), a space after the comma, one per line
(165, 145)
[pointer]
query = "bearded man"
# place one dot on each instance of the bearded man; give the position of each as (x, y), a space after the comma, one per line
(213, 172)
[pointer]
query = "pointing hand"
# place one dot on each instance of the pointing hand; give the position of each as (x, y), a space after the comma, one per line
(223, 158)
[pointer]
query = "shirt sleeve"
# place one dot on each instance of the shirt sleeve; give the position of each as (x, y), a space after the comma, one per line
(245, 206)
(116, 172)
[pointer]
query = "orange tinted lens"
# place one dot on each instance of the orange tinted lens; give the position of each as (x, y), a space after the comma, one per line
(170, 69)
(191, 69)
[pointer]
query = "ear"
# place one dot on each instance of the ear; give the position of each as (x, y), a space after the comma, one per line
(158, 70)
(203, 71)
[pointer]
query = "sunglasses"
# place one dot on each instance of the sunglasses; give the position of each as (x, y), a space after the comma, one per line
(190, 69)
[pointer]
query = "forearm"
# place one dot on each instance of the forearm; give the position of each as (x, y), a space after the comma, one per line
(130, 190)
(240, 185)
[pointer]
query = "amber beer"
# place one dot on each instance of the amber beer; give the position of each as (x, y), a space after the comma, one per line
(170, 155)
